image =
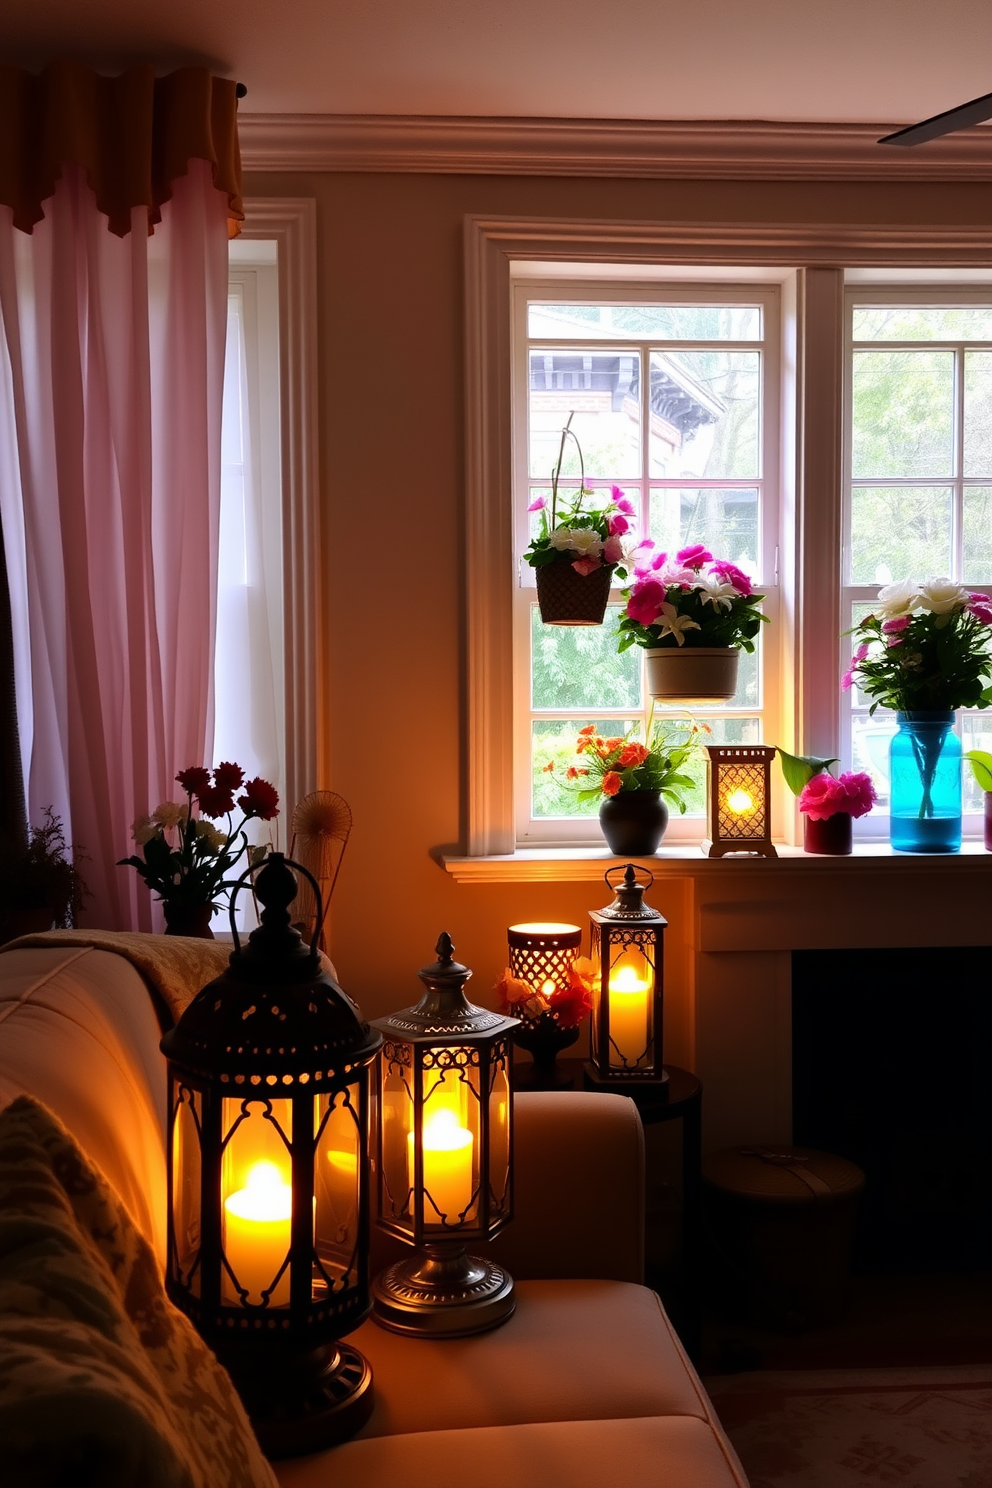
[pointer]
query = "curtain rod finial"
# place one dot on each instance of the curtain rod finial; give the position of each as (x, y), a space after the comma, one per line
(241, 91)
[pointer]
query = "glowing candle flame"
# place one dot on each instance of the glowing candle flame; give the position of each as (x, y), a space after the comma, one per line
(739, 801)
(547, 987)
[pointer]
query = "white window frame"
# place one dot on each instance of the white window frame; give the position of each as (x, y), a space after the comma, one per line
(947, 288)
(624, 289)
(805, 257)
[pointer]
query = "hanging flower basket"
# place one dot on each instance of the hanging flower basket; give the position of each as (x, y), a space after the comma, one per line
(570, 598)
(692, 674)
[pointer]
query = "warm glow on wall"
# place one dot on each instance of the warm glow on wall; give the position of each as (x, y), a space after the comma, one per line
(738, 799)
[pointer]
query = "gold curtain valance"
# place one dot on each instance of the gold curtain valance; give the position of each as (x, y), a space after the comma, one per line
(133, 135)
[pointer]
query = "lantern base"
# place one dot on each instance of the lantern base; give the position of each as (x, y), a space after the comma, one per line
(441, 1292)
(622, 1081)
(726, 849)
(303, 1402)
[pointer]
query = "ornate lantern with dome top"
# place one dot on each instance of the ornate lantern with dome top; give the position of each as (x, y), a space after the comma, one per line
(269, 1171)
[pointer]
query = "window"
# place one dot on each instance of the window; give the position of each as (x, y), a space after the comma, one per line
(918, 475)
(674, 393)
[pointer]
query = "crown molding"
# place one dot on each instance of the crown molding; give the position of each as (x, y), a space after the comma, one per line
(700, 149)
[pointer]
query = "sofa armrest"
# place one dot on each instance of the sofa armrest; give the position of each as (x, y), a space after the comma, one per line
(578, 1188)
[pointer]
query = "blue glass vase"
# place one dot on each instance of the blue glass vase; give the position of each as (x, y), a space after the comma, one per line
(925, 772)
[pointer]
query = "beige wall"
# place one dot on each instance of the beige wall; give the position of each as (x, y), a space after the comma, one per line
(392, 439)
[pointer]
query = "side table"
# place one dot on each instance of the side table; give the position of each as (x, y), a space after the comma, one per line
(680, 1098)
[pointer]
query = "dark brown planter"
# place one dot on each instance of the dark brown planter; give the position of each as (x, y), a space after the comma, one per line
(634, 822)
(188, 919)
(570, 598)
(834, 836)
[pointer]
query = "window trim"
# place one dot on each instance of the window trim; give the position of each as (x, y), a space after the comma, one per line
(492, 244)
(292, 223)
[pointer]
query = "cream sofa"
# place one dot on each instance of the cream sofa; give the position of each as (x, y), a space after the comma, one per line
(586, 1384)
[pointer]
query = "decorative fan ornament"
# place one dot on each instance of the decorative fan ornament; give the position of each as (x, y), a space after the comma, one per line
(966, 114)
(321, 825)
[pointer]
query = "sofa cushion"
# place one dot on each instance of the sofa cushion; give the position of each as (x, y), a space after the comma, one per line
(103, 1383)
(643, 1452)
(552, 1361)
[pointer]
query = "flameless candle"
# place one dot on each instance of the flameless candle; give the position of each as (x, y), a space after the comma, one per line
(256, 1235)
(447, 1149)
(629, 998)
(739, 801)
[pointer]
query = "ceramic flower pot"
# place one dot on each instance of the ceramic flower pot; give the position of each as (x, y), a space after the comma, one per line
(833, 836)
(544, 1039)
(634, 822)
(570, 598)
(692, 674)
(188, 919)
(925, 775)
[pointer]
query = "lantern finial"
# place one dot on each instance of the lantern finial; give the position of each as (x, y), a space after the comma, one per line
(445, 946)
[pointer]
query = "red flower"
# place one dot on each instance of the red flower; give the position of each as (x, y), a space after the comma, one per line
(228, 777)
(611, 783)
(570, 1004)
(214, 801)
(260, 799)
(195, 779)
(632, 754)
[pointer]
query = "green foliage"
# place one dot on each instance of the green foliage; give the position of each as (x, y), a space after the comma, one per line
(798, 769)
(616, 764)
(717, 627)
(940, 663)
(981, 765)
(42, 874)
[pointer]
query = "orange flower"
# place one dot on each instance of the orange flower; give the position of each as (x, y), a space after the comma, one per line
(590, 728)
(571, 773)
(632, 754)
(611, 783)
(546, 769)
(612, 744)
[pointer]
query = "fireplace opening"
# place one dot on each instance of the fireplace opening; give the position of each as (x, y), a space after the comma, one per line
(892, 1068)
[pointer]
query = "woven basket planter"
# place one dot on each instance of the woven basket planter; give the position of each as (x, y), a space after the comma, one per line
(570, 598)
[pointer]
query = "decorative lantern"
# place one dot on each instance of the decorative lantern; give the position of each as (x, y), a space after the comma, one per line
(738, 799)
(627, 951)
(269, 1175)
(444, 1157)
(542, 954)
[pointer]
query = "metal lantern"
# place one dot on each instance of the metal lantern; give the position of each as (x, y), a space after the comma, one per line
(269, 1176)
(444, 1157)
(542, 954)
(738, 799)
(627, 951)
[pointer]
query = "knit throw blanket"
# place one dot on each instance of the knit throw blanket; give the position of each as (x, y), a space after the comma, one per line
(174, 966)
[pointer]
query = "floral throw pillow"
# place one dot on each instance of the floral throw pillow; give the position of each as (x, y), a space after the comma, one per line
(103, 1383)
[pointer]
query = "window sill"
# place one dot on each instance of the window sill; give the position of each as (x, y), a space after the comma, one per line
(587, 864)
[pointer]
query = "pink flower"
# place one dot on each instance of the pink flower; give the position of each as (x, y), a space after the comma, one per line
(620, 501)
(694, 556)
(847, 681)
(538, 504)
(892, 627)
(613, 550)
(731, 574)
(618, 524)
(824, 796)
(678, 573)
(646, 600)
(980, 606)
(586, 566)
(860, 654)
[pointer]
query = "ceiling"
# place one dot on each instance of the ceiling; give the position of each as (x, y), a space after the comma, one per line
(821, 60)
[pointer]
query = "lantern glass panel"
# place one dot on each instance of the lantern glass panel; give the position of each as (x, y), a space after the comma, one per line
(186, 1177)
(741, 801)
(631, 1003)
(338, 1124)
(396, 1130)
(499, 1134)
(256, 1200)
(451, 1139)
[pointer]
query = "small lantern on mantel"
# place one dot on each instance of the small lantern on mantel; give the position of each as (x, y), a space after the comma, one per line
(627, 951)
(269, 1178)
(738, 799)
(444, 1157)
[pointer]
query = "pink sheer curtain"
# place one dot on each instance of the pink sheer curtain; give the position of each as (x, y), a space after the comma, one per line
(111, 383)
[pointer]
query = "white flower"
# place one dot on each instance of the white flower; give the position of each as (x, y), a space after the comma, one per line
(942, 596)
(585, 541)
(215, 840)
(716, 591)
(899, 599)
(672, 623)
(170, 814)
(143, 829)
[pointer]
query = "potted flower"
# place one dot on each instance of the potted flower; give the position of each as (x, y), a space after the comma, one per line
(186, 859)
(829, 803)
(549, 1019)
(694, 614)
(40, 883)
(924, 652)
(981, 767)
(634, 782)
(578, 548)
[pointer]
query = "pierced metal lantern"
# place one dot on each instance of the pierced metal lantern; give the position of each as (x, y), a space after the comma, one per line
(627, 951)
(542, 954)
(738, 799)
(269, 1177)
(444, 1157)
